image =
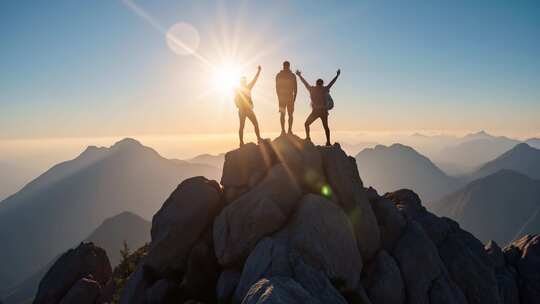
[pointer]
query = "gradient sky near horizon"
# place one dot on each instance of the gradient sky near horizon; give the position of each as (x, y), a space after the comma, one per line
(99, 68)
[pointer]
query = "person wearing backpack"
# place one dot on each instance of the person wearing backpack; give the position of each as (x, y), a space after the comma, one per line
(321, 102)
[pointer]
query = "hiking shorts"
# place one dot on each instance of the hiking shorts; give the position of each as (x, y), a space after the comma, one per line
(286, 103)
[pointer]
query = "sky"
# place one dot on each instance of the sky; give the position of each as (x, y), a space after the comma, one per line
(97, 69)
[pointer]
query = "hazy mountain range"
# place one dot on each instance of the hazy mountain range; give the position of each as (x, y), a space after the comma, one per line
(13, 178)
(502, 206)
(110, 235)
(398, 166)
(63, 205)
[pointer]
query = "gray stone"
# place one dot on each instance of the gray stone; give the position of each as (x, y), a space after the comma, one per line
(382, 280)
(243, 163)
(226, 286)
(163, 291)
(85, 291)
(180, 222)
(255, 215)
(348, 191)
(322, 235)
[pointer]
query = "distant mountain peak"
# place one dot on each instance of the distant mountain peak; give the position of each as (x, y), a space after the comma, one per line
(127, 143)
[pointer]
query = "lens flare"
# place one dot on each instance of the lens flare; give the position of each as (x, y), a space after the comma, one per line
(326, 191)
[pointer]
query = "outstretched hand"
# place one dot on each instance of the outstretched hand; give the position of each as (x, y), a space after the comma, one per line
(338, 72)
(259, 68)
(298, 73)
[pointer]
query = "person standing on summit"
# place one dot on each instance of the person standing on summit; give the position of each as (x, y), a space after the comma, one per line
(286, 89)
(244, 103)
(321, 102)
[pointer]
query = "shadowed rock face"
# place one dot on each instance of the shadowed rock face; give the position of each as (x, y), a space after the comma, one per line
(281, 239)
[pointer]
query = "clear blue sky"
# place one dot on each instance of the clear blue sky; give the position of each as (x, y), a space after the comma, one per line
(96, 68)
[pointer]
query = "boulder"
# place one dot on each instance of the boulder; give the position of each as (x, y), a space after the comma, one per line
(226, 286)
(134, 291)
(444, 291)
(322, 235)
(164, 291)
(382, 280)
(269, 258)
(246, 162)
(278, 290)
(85, 291)
(419, 262)
(256, 214)
(202, 272)
(508, 286)
(391, 221)
(87, 259)
(302, 159)
(348, 191)
(316, 283)
(180, 222)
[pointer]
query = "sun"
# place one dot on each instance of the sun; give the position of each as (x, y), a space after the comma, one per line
(226, 78)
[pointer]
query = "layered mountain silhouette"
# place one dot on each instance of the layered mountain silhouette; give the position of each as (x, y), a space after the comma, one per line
(533, 142)
(63, 205)
(399, 166)
(209, 159)
(476, 149)
(521, 158)
(12, 179)
(110, 236)
(502, 206)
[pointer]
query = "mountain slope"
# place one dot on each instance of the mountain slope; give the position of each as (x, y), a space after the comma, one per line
(533, 142)
(12, 179)
(399, 166)
(522, 158)
(502, 206)
(63, 205)
(209, 159)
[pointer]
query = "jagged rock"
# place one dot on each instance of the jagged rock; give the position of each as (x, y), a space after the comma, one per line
(495, 254)
(180, 222)
(322, 235)
(85, 291)
(316, 283)
(470, 267)
(107, 292)
(269, 258)
(73, 265)
(278, 290)
(226, 286)
(244, 163)
(256, 214)
(391, 222)
(528, 267)
(382, 280)
(419, 262)
(411, 207)
(302, 159)
(202, 272)
(348, 191)
(163, 291)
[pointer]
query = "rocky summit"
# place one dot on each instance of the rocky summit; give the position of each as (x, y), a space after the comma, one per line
(291, 222)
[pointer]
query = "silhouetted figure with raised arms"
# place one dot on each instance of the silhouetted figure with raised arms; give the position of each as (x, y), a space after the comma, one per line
(286, 89)
(244, 103)
(320, 103)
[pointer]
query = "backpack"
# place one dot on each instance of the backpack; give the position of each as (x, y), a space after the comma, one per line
(329, 101)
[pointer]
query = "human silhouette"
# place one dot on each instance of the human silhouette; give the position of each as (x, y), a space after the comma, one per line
(319, 95)
(244, 103)
(286, 89)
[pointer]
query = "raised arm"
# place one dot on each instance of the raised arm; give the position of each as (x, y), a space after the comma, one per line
(254, 80)
(333, 80)
(302, 79)
(295, 89)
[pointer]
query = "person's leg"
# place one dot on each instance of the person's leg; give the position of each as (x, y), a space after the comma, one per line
(242, 118)
(290, 110)
(324, 119)
(311, 118)
(251, 116)
(282, 120)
